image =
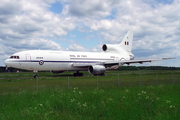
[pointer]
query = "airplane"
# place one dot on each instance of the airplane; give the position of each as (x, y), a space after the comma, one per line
(112, 57)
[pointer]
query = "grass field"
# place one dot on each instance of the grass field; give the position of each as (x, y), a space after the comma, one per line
(135, 95)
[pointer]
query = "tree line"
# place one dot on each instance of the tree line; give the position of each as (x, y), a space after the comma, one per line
(10, 69)
(148, 68)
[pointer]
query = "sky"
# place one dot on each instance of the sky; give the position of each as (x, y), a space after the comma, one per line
(85, 25)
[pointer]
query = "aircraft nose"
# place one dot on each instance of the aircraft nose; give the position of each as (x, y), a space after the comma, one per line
(6, 62)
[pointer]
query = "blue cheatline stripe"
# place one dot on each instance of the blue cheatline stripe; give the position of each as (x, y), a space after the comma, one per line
(55, 61)
(89, 59)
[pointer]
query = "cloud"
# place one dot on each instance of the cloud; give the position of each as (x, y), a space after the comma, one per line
(153, 27)
(93, 8)
(32, 20)
(28, 44)
(75, 47)
(31, 25)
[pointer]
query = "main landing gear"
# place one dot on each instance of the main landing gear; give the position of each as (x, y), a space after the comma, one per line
(78, 74)
(99, 74)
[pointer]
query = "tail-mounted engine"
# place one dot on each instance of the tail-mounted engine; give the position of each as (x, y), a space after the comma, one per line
(96, 69)
(111, 48)
(131, 57)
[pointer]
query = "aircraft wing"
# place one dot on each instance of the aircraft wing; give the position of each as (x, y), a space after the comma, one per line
(134, 61)
(111, 63)
(83, 64)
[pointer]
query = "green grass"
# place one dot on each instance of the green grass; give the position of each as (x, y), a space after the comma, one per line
(115, 103)
(84, 100)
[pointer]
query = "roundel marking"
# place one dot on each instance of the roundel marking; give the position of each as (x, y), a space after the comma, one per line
(41, 62)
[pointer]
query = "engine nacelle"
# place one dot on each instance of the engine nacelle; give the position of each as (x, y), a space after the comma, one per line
(56, 72)
(131, 57)
(96, 69)
(110, 48)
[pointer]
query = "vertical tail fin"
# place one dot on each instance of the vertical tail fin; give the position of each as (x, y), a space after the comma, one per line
(126, 43)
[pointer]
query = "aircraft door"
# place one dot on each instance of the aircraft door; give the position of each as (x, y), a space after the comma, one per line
(28, 58)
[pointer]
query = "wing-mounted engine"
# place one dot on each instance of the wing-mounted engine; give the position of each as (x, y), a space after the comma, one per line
(111, 48)
(56, 72)
(97, 69)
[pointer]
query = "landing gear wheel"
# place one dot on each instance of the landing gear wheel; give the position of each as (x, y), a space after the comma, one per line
(81, 74)
(36, 75)
(103, 74)
(78, 74)
(75, 74)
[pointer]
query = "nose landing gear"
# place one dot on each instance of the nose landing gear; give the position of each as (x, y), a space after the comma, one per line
(36, 75)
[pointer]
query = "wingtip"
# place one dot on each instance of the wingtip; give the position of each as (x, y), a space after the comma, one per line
(169, 58)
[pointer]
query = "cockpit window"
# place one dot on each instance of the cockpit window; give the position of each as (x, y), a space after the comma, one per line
(14, 57)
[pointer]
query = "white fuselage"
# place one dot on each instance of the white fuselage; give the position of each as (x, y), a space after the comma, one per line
(43, 60)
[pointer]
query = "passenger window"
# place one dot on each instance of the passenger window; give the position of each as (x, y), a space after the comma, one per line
(17, 57)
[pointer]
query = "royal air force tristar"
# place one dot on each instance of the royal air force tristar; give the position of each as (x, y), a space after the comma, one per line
(96, 63)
